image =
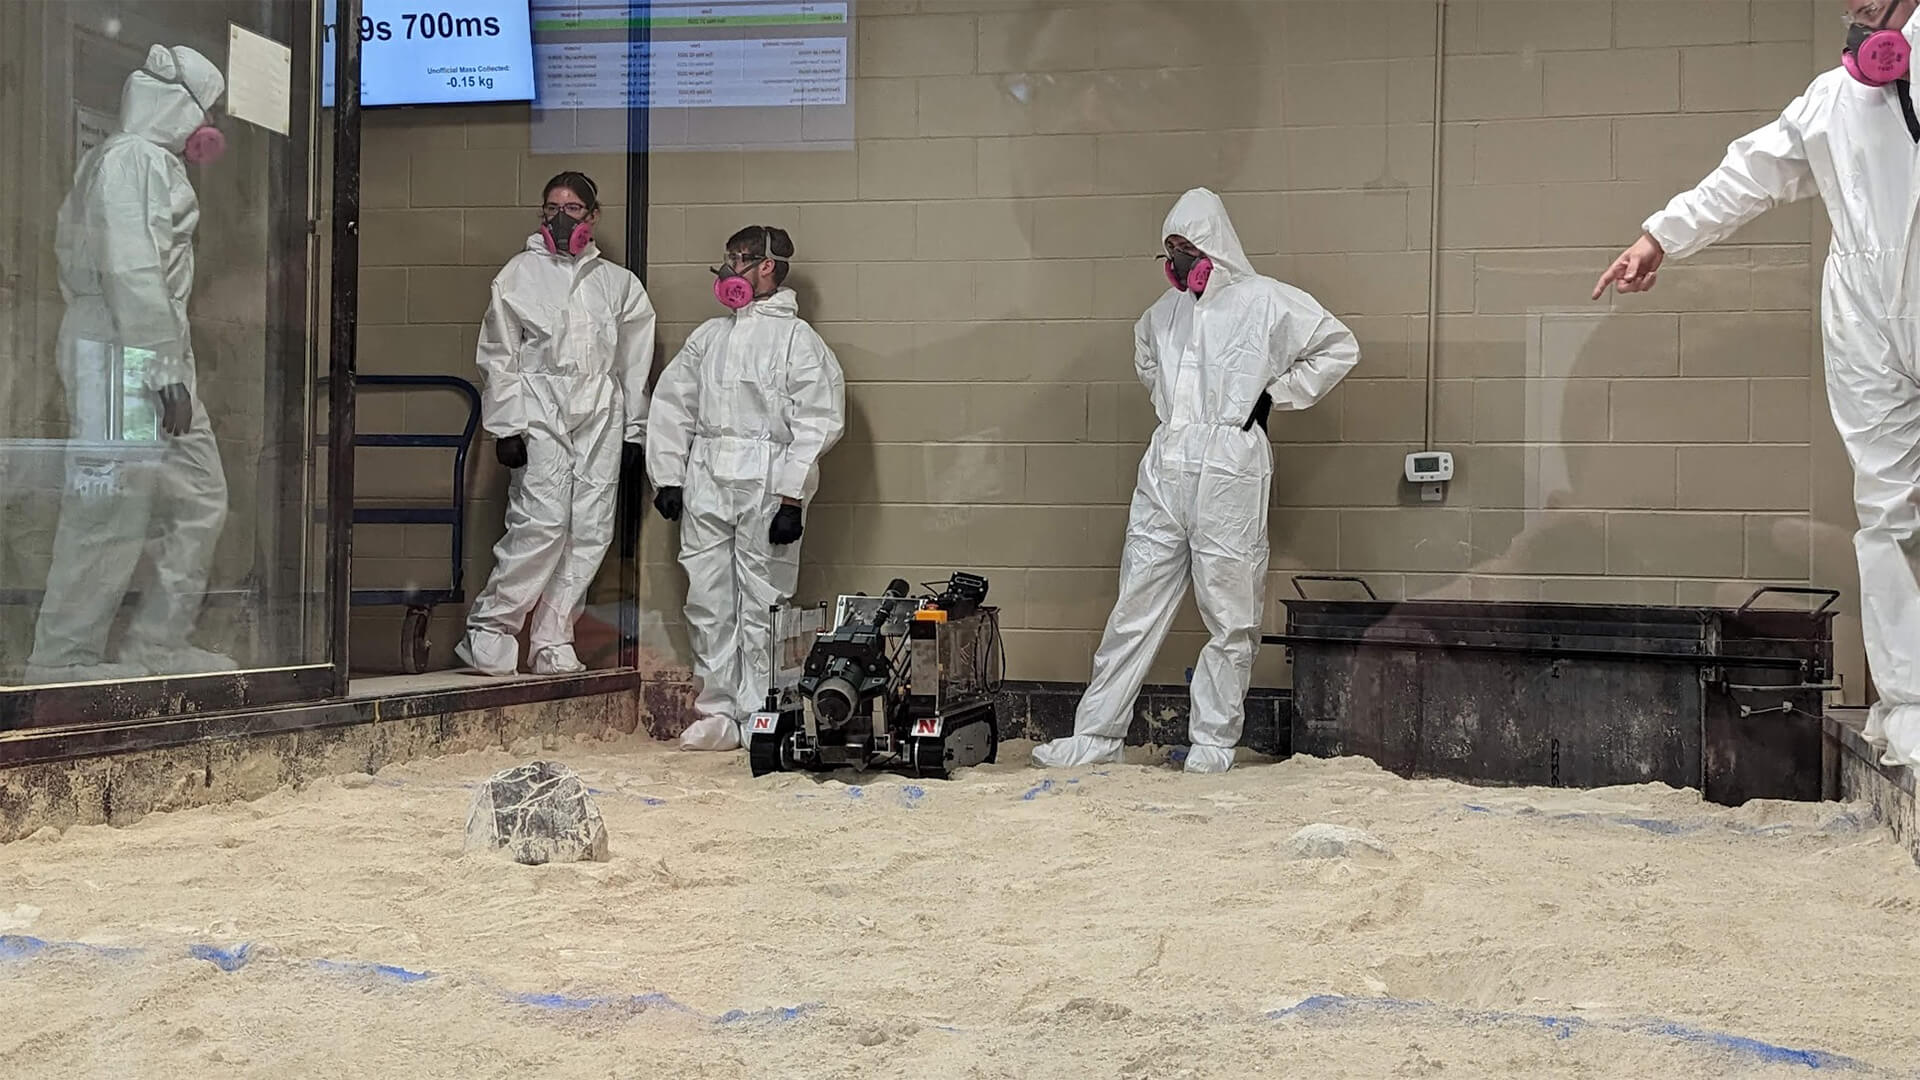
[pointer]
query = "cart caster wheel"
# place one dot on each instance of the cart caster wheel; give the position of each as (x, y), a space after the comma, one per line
(414, 645)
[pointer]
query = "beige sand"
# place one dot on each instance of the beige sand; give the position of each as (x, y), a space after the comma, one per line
(1129, 922)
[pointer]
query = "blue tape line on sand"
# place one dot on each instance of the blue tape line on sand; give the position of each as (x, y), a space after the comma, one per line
(373, 971)
(23, 947)
(1334, 1007)
(568, 1003)
(1320, 1007)
(225, 959)
(1840, 823)
(233, 958)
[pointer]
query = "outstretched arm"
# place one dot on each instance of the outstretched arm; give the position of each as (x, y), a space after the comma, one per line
(1763, 169)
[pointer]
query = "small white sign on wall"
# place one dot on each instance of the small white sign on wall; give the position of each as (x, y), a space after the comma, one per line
(259, 80)
(91, 127)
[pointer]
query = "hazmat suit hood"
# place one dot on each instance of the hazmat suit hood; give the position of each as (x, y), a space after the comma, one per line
(1201, 217)
(170, 96)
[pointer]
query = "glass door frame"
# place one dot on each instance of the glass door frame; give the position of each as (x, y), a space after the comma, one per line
(293, 329)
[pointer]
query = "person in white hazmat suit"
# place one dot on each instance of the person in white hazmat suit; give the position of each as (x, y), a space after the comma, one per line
(1851, 139)
(1217, 352)
(565, 351)
(124, 242)
(740, 420)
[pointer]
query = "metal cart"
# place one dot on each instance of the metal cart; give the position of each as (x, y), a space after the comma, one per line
(452, 513)
(1725, 700)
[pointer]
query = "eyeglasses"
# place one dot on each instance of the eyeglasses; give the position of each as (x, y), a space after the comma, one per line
(1870, 16)
(572, 209)
(740, 259)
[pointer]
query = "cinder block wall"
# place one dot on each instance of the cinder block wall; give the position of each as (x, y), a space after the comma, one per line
(448, 196)
(978, 256)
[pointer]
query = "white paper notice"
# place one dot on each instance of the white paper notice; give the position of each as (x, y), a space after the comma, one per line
(259, 80)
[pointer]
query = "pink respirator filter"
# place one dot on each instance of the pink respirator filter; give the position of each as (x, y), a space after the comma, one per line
(205, 145)
(733, 292)
(1883, 58)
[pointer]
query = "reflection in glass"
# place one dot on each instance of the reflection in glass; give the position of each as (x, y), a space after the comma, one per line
(155, 363)
(124, 240)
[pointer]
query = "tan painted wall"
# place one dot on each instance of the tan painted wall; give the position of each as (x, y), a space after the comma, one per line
(977, 258)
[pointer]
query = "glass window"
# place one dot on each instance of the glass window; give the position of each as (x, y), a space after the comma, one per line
(155, 344)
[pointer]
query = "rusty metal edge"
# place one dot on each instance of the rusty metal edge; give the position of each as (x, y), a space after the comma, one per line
(44, 745)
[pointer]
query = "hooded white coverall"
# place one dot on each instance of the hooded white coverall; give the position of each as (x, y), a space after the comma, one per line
(740, 420)
(1849, 143)
(124, 242)
(1200, 503)
(565, 351)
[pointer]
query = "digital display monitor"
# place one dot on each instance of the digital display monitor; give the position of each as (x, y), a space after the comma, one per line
(712, 75)
(422, 52)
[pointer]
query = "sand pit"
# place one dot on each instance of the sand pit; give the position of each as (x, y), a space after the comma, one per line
(1117, 922)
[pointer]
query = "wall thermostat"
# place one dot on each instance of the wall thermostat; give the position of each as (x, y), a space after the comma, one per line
(1429, 467)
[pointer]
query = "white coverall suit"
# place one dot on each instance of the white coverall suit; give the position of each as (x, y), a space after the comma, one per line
(124, 241)
(1200, 503)
(740, 420)
(565, 351)
(1849, 143)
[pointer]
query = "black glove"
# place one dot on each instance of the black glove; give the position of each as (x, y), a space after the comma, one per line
(667, 501)
(176, 409)
(786, 525)
(1260, 410)
(633, 479)
(512, 451)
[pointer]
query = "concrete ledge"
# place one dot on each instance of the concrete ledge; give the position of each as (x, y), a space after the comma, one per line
(118, 789)
(1889, 788)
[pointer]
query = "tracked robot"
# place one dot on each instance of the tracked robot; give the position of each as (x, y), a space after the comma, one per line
(901, 682)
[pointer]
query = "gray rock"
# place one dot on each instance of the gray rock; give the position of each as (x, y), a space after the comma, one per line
(537, 813)
(1324, 841)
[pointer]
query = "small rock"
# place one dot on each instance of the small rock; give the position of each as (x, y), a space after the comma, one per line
(870, 1035)
(537, 813)
(1324, 841)
(356, 780)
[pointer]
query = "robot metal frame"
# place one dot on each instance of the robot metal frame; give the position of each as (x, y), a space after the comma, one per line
(901, 683)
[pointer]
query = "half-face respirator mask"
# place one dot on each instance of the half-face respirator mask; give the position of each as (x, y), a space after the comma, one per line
(207, 143)
(565, 234)
(730, 284)
(1187, 272)
(1877, 55)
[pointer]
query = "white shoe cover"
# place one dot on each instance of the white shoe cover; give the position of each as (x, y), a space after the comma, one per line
(489, 653)
(1209, 759)
(175, 659)
(711, 733)
(1078, 750)
(557, 660)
